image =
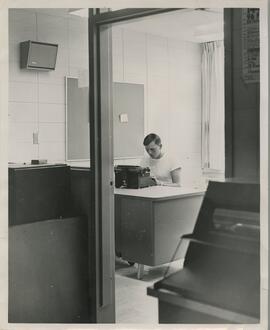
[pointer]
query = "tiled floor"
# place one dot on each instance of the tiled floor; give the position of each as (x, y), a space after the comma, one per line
(132, 303)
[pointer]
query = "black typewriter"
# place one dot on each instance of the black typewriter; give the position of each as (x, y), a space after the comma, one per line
(133, 177)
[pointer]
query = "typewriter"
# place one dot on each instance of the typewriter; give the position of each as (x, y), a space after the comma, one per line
(133, 177)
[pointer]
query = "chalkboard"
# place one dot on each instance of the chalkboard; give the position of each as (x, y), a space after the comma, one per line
(128, 120)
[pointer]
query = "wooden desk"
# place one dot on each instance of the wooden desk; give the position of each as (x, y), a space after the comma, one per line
(150, 221)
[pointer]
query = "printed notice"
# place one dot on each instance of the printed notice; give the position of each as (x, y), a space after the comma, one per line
(250, 45)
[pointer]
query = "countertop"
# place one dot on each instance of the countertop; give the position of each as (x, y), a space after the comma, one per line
(160, 192)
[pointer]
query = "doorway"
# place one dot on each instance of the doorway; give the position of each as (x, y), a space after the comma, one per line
(144, 55)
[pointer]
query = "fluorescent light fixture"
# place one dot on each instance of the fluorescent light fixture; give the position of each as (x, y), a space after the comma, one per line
(81, 12)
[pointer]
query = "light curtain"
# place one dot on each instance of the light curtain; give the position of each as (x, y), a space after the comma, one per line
(213, 140)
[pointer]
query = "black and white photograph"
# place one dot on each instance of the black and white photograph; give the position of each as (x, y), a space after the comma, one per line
(134, 164)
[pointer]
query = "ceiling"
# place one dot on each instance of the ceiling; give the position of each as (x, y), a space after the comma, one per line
(185, 24)
(190, 24)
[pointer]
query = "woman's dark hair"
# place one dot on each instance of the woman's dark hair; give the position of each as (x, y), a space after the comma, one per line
(152, 137)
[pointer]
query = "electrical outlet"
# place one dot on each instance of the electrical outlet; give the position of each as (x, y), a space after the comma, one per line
(35, 137)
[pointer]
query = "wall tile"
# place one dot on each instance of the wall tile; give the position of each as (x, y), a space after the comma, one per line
(52, 151)
(22, 132)
(192, 177)
(78, 58)
(53, 113)
(189, 159)
(135, 65)
(62, 59)
(194, 51)
(22, 25)
(51, 93)
(56, 76)
(58, 12)
(118, 74)
(78, 40)
(51, 132)
(117, 40)
(131, 161)
(134, 50)
(14, 52)
(74, 72)
(192, 116)
(22, 112)
(52, 29)
(22, 92)
(157, 55)
(20, 152)
(117, 54)
(79, 24)
(21, 75)
(188, 137)
(158, 97)
(135, 77)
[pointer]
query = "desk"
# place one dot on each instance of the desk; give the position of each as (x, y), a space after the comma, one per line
(150, 221)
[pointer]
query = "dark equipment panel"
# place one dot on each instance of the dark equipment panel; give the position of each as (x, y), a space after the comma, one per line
(80, 190)
(38, 193)
(220, 281)
(48, 272)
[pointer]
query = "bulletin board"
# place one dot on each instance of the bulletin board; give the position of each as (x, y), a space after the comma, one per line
(128, 120)
(251, 45)
(77, 121)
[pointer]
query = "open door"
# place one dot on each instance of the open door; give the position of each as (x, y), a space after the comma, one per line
(101, 226)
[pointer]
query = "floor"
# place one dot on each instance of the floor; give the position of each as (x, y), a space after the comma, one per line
(132, 303)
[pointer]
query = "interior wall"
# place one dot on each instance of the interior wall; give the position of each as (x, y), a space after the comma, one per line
(169, 70)
(36, 98)
(171, 73)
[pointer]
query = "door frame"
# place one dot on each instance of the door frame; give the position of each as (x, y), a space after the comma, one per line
(98, 20)
(102, 308)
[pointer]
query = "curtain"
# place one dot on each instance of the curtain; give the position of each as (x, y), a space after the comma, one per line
(213, 140)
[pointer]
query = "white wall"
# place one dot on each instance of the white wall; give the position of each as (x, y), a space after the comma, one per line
(171, 73)
(37, 99)
(169, 69)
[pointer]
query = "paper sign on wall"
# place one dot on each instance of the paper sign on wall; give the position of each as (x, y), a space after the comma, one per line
(250, 45)
(123, 117)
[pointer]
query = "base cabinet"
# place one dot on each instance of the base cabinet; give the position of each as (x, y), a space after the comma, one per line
(48, 272)
(148, 231)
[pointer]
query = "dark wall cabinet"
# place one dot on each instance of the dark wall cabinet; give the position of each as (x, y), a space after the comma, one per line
(48, 245)
(38, 193)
